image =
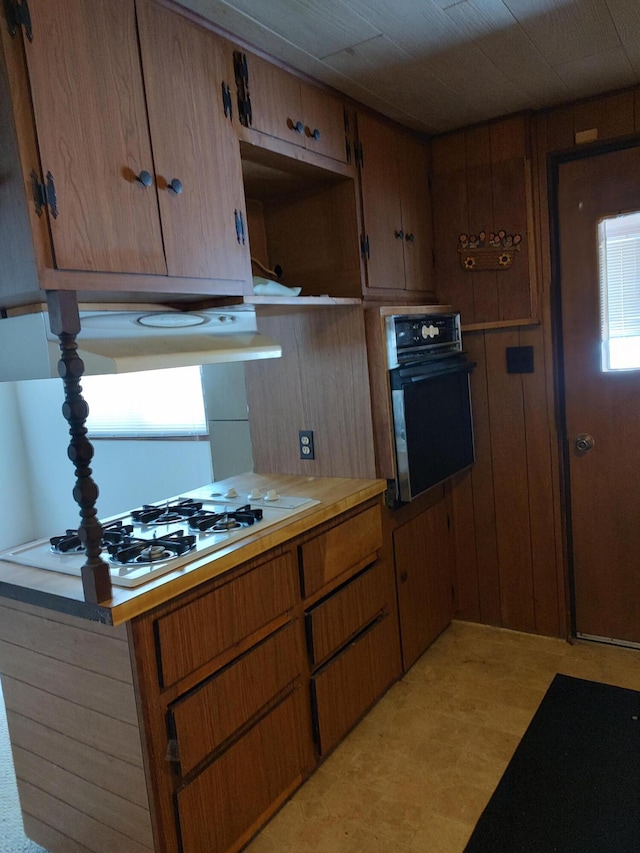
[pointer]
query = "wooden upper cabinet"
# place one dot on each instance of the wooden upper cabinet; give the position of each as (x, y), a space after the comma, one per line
(283, 106)
(194, 143)
(397, 239)
(127, 100)
(88, 102)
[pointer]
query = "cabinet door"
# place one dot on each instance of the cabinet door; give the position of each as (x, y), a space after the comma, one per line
(381, 208)
(424, 575)
(275, 101)
(324, 130)
(194, 143)
(413, 166)
(228, 802)
(88, 102)
(351, 682)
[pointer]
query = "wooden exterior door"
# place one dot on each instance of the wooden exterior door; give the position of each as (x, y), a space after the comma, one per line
(88, 102)
(605, 479)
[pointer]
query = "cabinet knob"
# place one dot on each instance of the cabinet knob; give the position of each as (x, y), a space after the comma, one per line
(409, 238)
(399, 234)
(145, 178)
(295, 125)
(313, 134)
(175, 185)
(404, 577)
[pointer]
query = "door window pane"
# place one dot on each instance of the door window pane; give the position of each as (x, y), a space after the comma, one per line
(619, 257)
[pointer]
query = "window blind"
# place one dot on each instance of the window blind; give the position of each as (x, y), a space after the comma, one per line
(149, 403)
(619, 256)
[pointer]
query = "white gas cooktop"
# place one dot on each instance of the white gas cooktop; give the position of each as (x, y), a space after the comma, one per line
(146, 546)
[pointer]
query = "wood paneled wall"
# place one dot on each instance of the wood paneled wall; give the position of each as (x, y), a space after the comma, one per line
(321, 383)
(508, 512)
(481, 182)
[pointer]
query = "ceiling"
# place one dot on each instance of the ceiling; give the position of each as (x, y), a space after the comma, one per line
(435, 65)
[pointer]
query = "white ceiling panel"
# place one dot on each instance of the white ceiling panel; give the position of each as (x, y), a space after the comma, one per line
(319, 27)
(440, 64)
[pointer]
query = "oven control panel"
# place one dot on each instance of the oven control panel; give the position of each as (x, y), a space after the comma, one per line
(413, 337)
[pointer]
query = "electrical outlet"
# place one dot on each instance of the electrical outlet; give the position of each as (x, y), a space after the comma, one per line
(305, 444)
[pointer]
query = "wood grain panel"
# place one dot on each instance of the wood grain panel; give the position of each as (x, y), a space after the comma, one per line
(193, 142)
(424, 570)
(81, 686)
(559, 127)
(324, 113)
(114, 775)
(236, 791)
(348, 546)
(510, 484)
(335, 620)
(88, 97)
(109, 809)
(413, 169)
(510, 208)
(72, 643)
(96, 730)
(209, 715)
(467, 590)
(451, 218)
(351, 682)
(481, 218)
(275, 100)
(69, 822)
(325, 390)
(483, 485)
(540, 480)
(612, 115)
(313, 236)
(199, 631)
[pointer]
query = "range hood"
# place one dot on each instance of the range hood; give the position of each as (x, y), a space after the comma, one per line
(126, 341)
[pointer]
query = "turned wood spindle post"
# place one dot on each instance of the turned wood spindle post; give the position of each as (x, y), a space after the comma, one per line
(64, 320)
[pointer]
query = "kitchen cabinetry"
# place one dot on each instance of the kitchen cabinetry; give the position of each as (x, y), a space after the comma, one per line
(279, 104)
(352, 631)
(227, 691)
(140, 166)
(396, 241)
(424, 576)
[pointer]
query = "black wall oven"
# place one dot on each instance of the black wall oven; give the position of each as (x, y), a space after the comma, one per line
(431, 401)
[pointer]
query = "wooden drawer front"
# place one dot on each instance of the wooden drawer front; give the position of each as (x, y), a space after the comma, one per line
(196, 633)
(334, 621)
(229, 800)
(350, 545)
(211, 714)
(350, 683)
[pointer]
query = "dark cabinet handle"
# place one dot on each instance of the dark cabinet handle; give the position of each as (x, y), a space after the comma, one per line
(145, 178)
(175, 185)
(404, 577)
(399, 234)
(409, 238)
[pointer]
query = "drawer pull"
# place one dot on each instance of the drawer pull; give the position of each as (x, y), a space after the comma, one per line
(172, 754)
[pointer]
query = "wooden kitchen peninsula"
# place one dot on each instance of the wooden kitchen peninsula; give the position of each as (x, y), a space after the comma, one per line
(181, 714)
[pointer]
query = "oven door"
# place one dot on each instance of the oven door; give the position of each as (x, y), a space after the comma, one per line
(433, 429)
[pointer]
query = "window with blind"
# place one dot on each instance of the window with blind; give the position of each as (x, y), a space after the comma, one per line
(149, 404)
(619, 257)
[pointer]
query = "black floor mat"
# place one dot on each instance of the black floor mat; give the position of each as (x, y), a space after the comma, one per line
(573, 784)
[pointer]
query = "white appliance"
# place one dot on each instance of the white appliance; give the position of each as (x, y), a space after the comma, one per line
(167, 535)
(126, 341)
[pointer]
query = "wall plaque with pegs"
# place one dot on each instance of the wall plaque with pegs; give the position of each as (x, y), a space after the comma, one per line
(479, 253)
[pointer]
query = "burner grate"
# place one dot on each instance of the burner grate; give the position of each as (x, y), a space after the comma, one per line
(169, 512)
(219, 522)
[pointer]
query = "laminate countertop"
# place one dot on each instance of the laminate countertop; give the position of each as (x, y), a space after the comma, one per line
(63, 593)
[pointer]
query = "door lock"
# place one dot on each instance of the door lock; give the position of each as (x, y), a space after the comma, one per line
(584, 442)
